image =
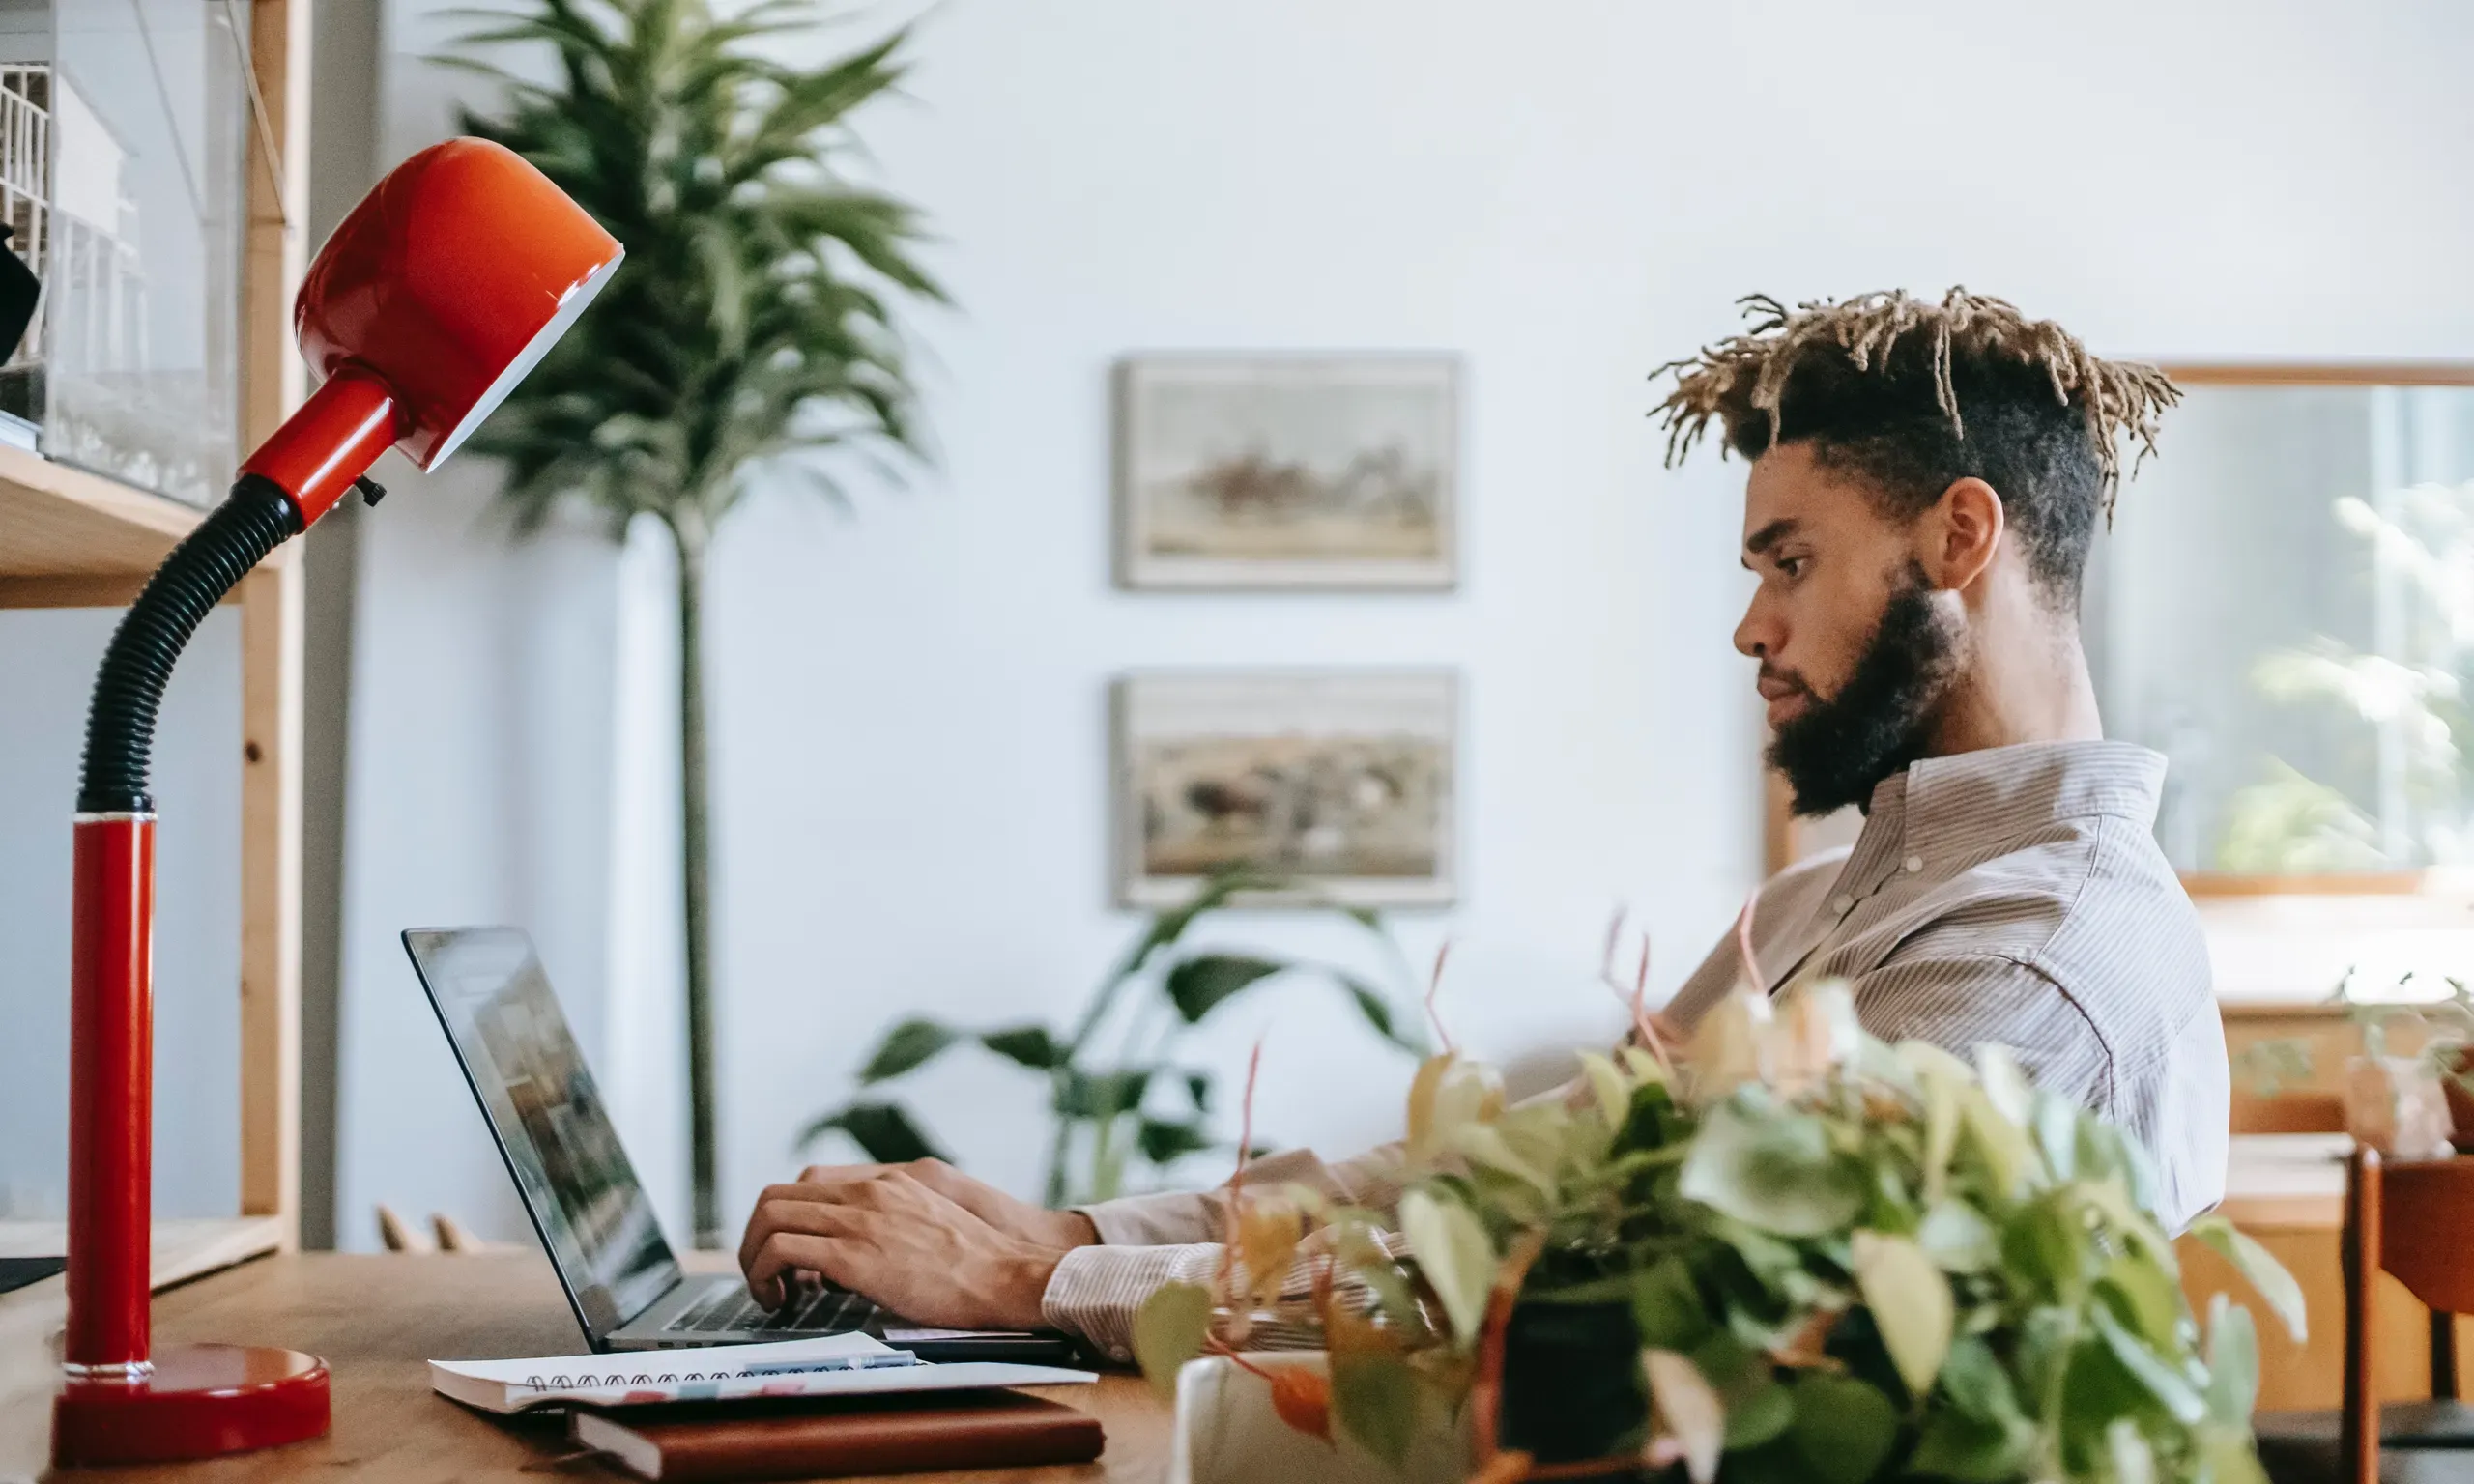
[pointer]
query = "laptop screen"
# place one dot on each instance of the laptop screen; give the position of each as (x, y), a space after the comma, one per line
(532, 1083)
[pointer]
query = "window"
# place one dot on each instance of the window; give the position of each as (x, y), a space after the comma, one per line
(2284, 608)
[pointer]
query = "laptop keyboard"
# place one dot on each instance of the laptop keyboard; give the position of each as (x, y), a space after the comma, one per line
(729, 1310)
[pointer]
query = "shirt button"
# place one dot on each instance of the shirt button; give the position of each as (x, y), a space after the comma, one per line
(1915, 864)
(1841, 903)
(1121, 1355)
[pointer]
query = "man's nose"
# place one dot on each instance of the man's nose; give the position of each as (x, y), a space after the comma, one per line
(1756, 635)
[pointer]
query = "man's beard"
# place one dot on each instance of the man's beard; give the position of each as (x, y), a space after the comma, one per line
(1837, 750)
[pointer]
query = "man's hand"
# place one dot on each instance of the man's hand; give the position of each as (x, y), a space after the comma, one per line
(1018, 1218)
(883, 1231)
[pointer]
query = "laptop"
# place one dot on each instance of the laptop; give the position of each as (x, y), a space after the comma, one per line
(624, 1283)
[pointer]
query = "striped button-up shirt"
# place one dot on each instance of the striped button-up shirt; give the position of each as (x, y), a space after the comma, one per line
(2014, 894)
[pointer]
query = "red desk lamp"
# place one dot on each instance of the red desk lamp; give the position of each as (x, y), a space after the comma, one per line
(432, 298)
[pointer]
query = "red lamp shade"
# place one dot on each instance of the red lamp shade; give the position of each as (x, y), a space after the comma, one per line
(441, 290)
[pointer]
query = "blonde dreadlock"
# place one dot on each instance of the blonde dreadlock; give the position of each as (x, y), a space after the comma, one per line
(1747, 374)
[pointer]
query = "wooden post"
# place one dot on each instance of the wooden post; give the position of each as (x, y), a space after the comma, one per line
(272, 384)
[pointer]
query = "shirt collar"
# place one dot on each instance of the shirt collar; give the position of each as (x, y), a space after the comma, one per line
(1941, 807)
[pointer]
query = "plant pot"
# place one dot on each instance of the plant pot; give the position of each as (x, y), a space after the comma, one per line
(2397, 1106)
(1228, 1432)
(1571, 1382)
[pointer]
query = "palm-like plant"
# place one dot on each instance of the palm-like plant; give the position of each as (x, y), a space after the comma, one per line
(750, 329)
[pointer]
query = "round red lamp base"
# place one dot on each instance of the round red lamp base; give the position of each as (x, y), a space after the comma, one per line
(201, 1400)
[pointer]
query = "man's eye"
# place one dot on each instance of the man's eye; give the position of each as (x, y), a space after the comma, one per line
(1793, 567)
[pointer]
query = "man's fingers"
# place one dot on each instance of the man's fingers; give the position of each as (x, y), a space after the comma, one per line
(776, 1214)
(830, 1174)
(865, 1191)
(785, 1253)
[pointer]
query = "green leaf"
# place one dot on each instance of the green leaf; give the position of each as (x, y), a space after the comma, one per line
(1378, 1012)
(1941, 1096)
(2046, 1337)
(1973, 1381)
(1198, 985)
(1956, 1447)
(1455, 1256)
(906, 1048)
(2229, 1456)
(1102, 1093)
(2233, 1362)
(2132, 1461)
(1844, 1427)
(2146, 1299)
(2002, 1145)
(1910, 1303)
(2173, 1391)
(1030, 1045)
(1169, 1330)
(1958, 1237)
(2005, 1086)
(1764, 1414)
(1375, 1401)
(885, 1133)
(2042, 1246)
(2057, 1121)
(1162, 1141)
(1772, 1169)
(1667, 1307)
(2274, 1286)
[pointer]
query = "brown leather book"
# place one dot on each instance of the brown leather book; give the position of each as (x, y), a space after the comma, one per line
(815, 1439)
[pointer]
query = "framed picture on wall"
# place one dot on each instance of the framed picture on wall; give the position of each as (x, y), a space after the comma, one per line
(1288, 473)
(1345, 781)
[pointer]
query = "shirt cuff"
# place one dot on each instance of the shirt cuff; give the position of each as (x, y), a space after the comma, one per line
(1095, 1292)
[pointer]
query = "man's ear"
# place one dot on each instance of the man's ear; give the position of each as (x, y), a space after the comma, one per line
(1961, 533)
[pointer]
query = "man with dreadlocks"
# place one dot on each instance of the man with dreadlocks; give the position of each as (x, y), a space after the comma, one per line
(1925, 482)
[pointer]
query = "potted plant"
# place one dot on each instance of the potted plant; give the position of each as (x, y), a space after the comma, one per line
(1795, 1254)
(750, 337)
(1121, 1100)
(2409, 1089)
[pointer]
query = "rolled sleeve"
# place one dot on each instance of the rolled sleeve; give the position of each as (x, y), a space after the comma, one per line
(1095, 1292)
(1154, 1220)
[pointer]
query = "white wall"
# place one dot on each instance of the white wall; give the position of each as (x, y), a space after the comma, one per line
(910, 706)
(47, 661)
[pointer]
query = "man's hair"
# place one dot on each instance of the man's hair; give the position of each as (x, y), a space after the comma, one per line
(1911, 397)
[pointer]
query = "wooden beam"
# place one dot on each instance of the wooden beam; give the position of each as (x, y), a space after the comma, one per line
(2324, 373)
(273, 378)
(270, 713)
(271, 385)
(98, 592)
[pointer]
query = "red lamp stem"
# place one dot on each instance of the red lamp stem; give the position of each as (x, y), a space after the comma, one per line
(111, 1093)
(330, 442)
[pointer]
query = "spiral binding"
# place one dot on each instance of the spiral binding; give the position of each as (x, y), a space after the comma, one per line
(561, 1381)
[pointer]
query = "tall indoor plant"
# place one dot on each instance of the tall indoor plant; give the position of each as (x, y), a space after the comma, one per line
(750, 330)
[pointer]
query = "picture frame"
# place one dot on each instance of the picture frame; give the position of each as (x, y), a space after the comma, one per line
(1343, 780)
(1288, 473)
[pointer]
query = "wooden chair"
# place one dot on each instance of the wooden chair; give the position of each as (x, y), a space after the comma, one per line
(2415, 1219)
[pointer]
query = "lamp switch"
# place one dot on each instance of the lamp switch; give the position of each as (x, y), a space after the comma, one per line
(371, 491)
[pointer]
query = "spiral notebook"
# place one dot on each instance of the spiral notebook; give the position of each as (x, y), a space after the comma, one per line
(851, 1364)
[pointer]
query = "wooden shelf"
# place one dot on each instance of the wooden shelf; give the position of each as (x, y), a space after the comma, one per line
(183, 1247)
(58, 523)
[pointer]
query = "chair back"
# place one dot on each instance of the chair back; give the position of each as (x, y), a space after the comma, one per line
(2407, 1219)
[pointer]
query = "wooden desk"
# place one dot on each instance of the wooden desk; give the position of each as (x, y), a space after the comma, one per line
(377, 1320)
